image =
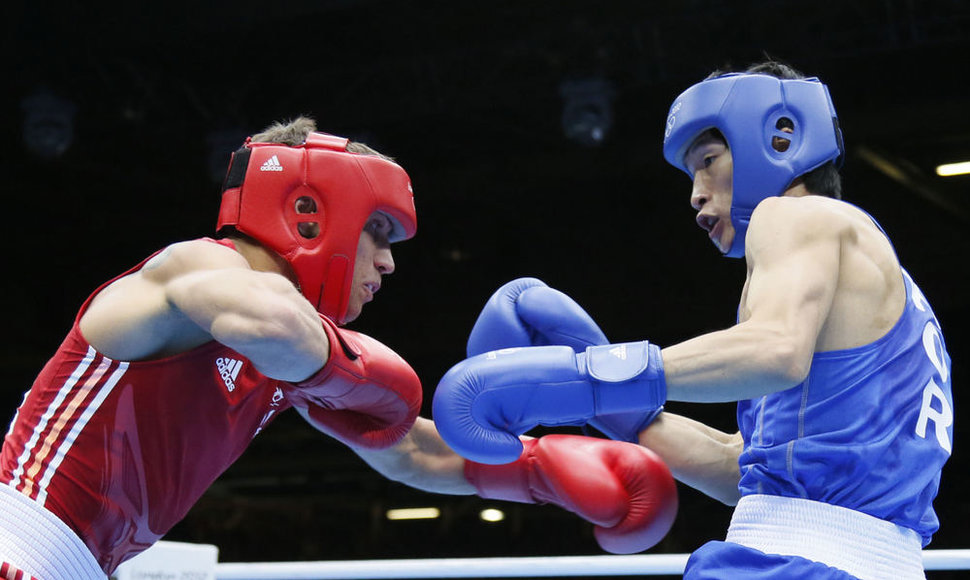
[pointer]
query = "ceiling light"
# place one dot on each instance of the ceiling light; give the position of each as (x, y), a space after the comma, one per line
(587, 114)
(951, 169)
(491, 515)
(48, 124)
(425, 513)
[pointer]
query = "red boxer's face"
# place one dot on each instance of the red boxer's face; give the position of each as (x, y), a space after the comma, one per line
(373, 261)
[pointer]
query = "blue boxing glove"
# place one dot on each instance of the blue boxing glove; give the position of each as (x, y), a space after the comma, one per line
(527, 312)
(484, 403)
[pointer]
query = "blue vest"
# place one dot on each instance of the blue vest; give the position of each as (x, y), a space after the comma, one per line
(869, 429)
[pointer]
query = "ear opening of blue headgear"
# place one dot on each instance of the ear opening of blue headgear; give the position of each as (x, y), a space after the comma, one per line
(746, 109)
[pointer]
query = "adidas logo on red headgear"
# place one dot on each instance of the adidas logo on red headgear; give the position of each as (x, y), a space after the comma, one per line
(271, 164)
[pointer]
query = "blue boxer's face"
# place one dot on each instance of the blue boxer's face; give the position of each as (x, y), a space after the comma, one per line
(709, 161)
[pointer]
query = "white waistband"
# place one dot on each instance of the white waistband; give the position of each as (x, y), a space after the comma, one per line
(37, 542)
(860, 544)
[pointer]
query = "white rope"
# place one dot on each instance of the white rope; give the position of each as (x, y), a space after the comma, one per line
(946, 559)
(640, 565)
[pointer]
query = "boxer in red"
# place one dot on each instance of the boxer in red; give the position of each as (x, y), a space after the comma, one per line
(171, 369)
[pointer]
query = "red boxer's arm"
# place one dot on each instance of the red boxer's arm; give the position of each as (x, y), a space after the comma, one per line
(622, 488)
(366, 395)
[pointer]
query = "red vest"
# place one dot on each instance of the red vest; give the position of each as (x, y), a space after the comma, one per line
(120, 451)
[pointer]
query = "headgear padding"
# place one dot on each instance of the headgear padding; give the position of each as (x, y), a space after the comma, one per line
(746, 109)
(309, 203)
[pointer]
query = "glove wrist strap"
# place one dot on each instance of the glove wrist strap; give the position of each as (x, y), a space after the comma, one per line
(341, 351)
(507, 482)
(629, 377)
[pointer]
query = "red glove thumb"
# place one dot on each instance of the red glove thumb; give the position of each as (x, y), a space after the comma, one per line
(622, 488)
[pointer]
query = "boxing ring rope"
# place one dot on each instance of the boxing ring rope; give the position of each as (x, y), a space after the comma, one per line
(639, 565)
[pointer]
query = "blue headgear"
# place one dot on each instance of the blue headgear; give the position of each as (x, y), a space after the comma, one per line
(746, 109)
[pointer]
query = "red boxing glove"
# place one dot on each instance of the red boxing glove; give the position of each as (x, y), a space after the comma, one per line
(365, 396)
(622, 488)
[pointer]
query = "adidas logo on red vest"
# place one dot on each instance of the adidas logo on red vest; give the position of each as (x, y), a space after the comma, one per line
(229, 370)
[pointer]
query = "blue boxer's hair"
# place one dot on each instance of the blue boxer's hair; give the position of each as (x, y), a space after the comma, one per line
(777, 130)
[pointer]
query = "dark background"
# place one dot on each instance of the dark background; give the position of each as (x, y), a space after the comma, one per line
(467, 96)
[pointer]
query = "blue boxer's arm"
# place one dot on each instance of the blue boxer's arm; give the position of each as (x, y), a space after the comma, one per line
(625, 426)
(484, 403)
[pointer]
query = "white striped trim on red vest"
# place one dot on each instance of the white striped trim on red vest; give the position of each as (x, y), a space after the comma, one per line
(10, 572)
(62, 421)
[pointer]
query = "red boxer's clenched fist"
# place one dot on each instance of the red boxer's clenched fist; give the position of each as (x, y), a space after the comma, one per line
(366, 395)
(622, 488)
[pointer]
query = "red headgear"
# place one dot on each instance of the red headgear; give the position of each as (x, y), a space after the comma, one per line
(309, 203)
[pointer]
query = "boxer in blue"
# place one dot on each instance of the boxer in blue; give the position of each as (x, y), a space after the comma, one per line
(837, 362)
